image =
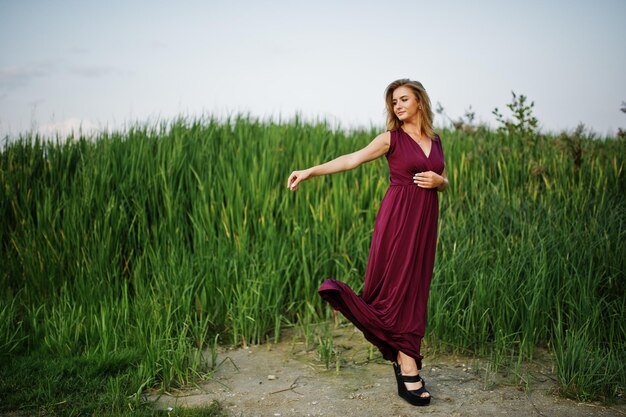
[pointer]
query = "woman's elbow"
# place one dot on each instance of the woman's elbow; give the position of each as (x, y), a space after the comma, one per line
(352, 162)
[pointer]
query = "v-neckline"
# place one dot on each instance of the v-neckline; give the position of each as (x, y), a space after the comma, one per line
(420, 146)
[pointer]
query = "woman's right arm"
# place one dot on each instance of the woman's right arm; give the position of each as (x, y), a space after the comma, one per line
(376, 148)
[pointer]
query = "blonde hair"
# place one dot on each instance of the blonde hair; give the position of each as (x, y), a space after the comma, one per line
(424, 114)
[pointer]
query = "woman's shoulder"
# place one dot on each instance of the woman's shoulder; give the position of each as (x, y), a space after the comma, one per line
(393, 133)
(386, 135)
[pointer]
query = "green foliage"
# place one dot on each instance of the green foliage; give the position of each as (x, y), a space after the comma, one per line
(162, 240)
(465, 123)
(524, 124)
(621, 133)
(574, 143)
(586, 370)
(325, 345)
(54, 385)
(529, 243)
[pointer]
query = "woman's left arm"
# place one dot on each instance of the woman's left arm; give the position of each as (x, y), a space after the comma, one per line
(444, 184)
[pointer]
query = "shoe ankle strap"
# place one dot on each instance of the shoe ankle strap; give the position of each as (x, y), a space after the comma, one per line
(410, 378)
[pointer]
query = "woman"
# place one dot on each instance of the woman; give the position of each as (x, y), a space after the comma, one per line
(391, 312)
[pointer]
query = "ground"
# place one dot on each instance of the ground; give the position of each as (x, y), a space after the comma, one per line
(287, 379)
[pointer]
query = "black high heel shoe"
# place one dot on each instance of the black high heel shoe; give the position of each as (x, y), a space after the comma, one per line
(414, 397)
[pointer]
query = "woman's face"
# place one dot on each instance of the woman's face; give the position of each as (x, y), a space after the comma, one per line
(405, 105)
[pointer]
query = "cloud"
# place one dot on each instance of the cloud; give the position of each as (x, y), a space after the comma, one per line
(14, 77)
(18, 76)
(97, 71)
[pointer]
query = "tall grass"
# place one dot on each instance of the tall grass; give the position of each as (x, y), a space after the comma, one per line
(158, 239)
(533, 253)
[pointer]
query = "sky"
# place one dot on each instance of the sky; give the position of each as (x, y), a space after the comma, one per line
(98, 65)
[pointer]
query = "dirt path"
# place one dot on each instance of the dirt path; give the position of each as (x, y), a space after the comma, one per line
(280, 380)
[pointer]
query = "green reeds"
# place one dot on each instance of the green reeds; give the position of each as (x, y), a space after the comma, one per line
(158, 239)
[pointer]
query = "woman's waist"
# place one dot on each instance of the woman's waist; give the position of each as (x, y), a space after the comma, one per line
(409, 184)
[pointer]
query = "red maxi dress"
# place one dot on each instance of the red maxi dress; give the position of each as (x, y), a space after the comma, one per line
(391, 311)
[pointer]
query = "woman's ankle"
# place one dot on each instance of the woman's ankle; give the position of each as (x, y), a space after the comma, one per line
(409, 371)
(408, 368)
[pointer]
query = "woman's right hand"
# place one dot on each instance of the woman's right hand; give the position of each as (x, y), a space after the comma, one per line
(296, 178)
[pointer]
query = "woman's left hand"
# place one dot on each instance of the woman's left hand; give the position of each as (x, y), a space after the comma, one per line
(427, 179)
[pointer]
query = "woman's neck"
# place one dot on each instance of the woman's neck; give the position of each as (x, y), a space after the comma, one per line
(412, 127)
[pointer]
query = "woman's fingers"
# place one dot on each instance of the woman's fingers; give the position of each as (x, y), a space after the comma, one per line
(427, 179)
(293, 181)
(420, 179)
(290, 179)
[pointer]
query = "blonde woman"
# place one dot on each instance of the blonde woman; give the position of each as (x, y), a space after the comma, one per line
(391, 311)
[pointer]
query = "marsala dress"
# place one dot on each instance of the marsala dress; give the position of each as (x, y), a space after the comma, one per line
(392, 310)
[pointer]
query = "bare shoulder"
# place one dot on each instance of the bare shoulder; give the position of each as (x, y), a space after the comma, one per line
(383, 138)
(376, 148)
(382, 142)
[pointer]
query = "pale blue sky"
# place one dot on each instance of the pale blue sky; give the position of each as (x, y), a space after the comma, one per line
(106, 64)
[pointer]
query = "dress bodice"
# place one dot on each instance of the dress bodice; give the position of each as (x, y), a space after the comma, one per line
(406, 158)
